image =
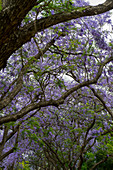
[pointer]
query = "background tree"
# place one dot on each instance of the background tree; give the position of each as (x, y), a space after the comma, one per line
(44, 116)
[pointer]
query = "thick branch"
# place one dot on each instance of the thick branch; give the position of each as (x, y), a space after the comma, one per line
(10, 20)
(10, 33)
(11, 17)
(33, 106)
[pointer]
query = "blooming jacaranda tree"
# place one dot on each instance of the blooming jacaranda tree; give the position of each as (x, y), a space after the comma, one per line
(56, 95)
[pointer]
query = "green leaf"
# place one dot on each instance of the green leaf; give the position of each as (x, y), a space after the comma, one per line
(0, 5)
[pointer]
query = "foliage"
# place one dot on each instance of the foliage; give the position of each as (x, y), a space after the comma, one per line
(0, 5)
(56, 93)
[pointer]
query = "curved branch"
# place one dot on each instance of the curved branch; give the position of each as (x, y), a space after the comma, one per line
(12, 149)
(12, 34)
(51, 102)
(19, 82)
(4, 102)
(102, 101)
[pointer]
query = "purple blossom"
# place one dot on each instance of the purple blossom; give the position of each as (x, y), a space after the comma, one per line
(59, 95)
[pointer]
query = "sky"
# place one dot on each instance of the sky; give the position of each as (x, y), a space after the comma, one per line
(96, 2)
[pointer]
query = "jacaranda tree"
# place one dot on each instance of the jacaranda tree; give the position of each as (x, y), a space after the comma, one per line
(56, 85)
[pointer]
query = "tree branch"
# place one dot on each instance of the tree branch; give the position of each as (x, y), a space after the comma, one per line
(12, 149)
(10, 20)
(19, 82)
(102, 101)
(98, 163)
(51, 102)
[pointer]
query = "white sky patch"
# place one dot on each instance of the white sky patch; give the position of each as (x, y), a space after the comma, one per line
(106, 26)
(96, 2)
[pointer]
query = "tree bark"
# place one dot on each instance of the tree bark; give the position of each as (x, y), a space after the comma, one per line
(13, 36)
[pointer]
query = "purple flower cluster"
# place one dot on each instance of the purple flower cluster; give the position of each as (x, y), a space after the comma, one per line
(56, 95)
